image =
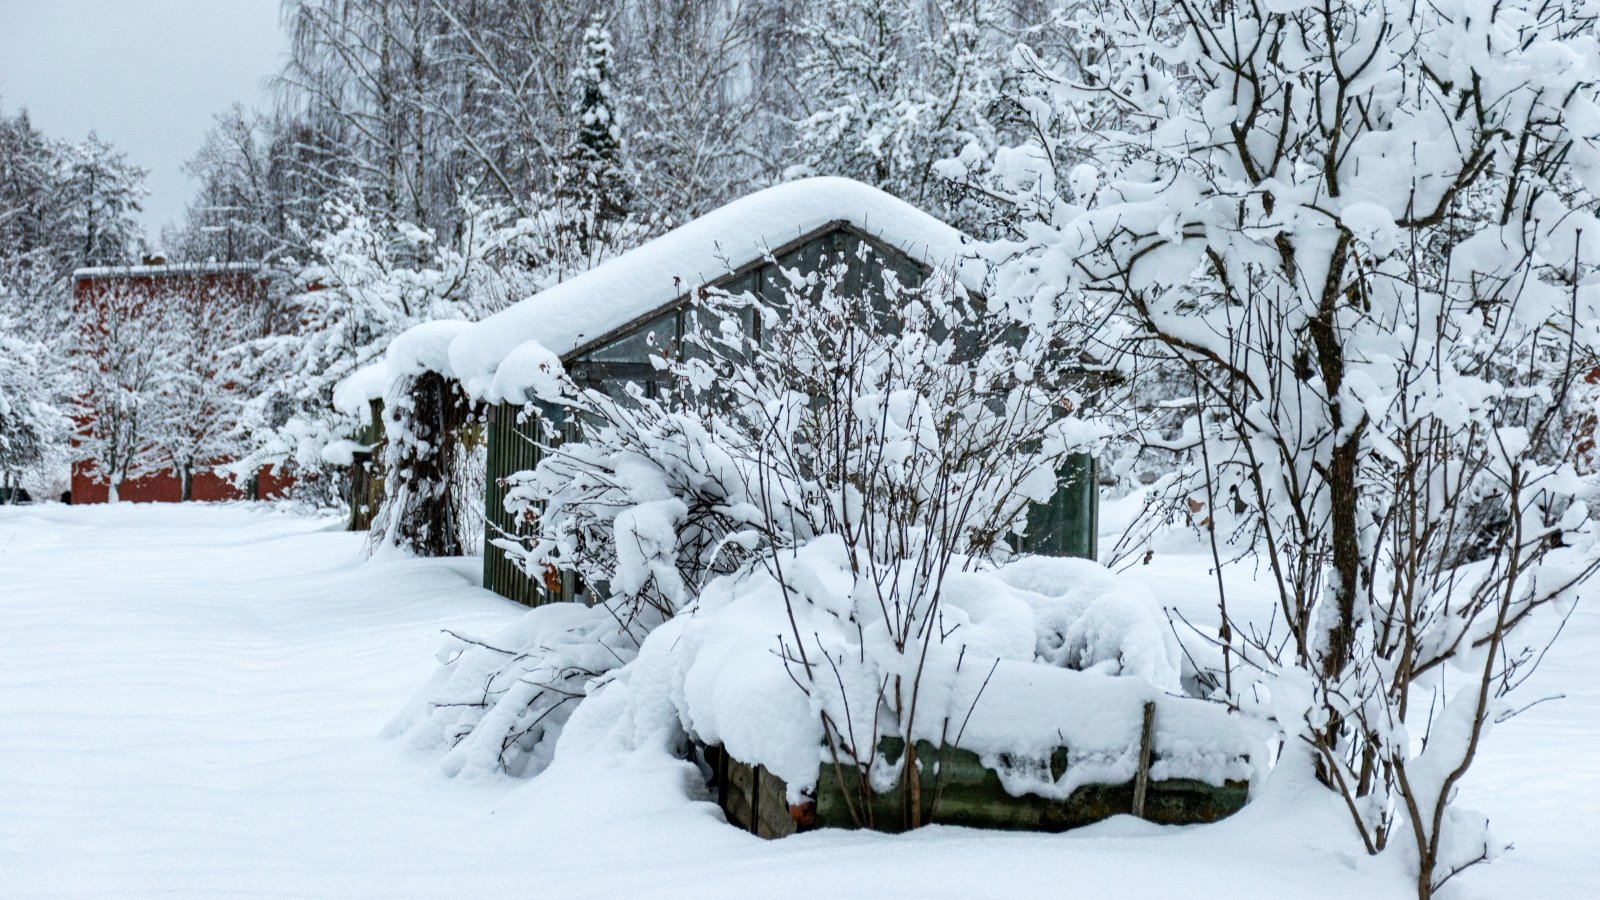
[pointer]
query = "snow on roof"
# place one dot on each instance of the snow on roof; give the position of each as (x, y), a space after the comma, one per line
(581, 309)
(423, 348)
(163, 271)
(420, 348)
(353, 392)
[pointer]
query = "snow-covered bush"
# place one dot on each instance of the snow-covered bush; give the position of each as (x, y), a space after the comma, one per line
(1354, 243)
(432, 453)
(899, 431)
(498, 704)
(990, 680)
(371, 279)
(1088, 619)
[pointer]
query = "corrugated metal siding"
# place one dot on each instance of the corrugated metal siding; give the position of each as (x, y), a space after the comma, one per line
(512, 447)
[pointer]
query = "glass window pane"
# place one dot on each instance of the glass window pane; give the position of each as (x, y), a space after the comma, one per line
(636, 345)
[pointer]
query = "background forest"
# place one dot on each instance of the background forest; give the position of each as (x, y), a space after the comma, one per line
(428, 159)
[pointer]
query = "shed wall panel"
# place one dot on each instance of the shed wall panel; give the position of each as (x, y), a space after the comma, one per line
(512, 447)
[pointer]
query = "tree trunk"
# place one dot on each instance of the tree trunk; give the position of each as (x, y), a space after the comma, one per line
(913, 794)
(1343, 498)
(1343, 493)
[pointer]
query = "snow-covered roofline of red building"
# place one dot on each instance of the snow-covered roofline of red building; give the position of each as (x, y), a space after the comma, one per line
(164, 270)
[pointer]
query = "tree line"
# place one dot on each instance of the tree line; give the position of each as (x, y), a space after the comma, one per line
(426, 109)
(63, 206)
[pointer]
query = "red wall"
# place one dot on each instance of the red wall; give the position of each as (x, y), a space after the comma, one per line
(270, 485)
(235, 288)
(166, 488)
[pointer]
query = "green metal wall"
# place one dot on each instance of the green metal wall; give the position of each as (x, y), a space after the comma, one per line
(512, 447)
(366, 472)
(1069, 524)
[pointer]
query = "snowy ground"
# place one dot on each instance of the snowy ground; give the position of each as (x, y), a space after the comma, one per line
(190, 698)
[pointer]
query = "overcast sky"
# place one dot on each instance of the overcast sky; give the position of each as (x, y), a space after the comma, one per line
(147, 75)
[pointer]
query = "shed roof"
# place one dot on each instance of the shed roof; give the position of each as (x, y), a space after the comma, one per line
(589, 306)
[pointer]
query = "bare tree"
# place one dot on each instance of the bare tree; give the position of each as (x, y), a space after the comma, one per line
(122, 378)
(1355, 232)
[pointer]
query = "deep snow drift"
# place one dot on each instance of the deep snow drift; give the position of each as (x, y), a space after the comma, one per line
(190, 701)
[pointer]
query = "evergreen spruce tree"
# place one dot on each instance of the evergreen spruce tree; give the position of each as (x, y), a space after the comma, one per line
(592, 186)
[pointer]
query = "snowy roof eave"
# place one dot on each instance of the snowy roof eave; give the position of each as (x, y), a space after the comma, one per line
(353, 394)
(589, 307)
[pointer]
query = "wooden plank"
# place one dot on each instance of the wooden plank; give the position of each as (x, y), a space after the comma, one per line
(1141, 780)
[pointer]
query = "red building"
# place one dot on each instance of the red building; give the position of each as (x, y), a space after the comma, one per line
(153, 409)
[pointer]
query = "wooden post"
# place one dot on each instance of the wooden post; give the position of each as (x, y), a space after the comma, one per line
(1141, 780)
(755, 800)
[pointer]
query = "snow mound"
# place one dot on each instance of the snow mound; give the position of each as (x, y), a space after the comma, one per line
(423, 348)
(355, 391)
(1089, 619)
(1038, 655)
(530, 371)
(343, 452)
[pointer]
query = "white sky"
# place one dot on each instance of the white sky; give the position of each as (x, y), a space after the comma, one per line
(147, 75)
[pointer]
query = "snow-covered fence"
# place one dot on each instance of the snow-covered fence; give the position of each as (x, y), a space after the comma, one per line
(964, 790)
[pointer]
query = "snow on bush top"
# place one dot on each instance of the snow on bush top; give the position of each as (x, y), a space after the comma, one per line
(1040, 654)
(420, 348)
(352, 397)
(608, 297)
(531, 370)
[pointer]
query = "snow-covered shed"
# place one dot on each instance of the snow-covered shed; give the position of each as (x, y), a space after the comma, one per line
(603, 323)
